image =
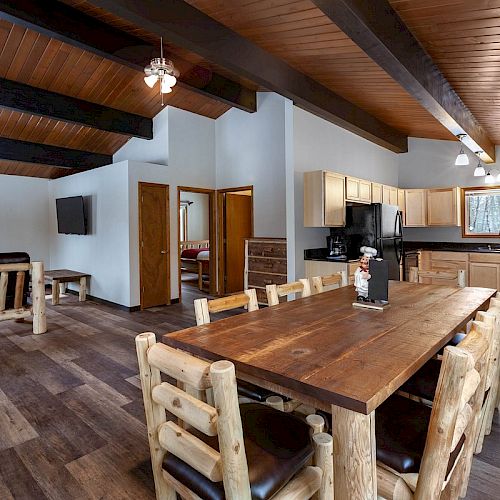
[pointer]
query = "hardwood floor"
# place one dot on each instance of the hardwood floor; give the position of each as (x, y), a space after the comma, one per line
(71, 416)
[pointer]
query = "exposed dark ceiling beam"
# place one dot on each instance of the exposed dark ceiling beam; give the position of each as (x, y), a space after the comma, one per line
(379, 31)
(190, 28)
(20, 97)
(72, 26)
(44, 154)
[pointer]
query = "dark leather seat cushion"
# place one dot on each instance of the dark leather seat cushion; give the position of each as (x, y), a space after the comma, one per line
(251, 391)
(401, 430)
(15, 258)
(277, 446)
(424, 383)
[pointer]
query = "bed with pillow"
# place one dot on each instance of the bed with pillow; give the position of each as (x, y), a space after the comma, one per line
(195, 258)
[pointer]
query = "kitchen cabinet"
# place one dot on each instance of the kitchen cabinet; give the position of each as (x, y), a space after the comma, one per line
(415, 208)
(358, 190)
(324, 199)
(390, 195)
(443, 207)
(484, 270)
(376, 192)
(401, 202)
(324, 268)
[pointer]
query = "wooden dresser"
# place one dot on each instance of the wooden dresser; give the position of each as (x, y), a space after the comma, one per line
(265, 264)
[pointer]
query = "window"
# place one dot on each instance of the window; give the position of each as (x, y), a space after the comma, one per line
(481, 212)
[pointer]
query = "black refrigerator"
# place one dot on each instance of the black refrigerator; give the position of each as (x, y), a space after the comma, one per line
(379, 226)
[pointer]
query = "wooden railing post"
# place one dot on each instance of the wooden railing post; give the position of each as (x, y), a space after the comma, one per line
(38, 298)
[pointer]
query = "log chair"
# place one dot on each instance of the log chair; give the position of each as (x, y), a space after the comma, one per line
(416, 275)
(320, 283)
(18, 310)
(274, 292)
(210, 452)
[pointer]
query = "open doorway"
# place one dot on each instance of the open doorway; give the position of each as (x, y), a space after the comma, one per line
(235, 224)
(196, 231)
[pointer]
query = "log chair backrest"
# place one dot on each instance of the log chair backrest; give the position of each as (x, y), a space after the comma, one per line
(416, 276)
(230, 464)
(274, 292)
(455, 411)
(204, 307)
(8, 271)
(320, 283)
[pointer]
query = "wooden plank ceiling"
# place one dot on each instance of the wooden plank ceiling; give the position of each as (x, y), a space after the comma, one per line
(35, 59)
(463, 38)
(299, 33)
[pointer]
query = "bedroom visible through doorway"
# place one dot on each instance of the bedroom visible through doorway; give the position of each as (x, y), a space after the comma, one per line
(196, 219)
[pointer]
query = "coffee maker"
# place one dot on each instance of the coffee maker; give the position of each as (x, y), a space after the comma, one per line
(337, 247)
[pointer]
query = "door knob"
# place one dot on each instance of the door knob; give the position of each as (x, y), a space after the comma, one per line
(163, 251)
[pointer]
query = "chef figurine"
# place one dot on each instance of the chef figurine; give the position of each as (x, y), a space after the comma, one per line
(362, 274)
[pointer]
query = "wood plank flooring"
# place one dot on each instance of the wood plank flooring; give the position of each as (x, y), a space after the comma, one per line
(71, 415)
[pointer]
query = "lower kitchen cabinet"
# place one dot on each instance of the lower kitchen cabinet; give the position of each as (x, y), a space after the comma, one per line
(444, 261)
(484, 270)
(324, 268)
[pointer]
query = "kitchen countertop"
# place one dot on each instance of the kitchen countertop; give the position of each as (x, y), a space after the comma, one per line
(320, 254)
(452, 247)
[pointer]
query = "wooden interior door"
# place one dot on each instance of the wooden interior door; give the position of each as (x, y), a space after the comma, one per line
(238, 226)
(154, 244)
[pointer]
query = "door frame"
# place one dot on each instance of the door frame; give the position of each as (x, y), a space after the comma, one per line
(140, 185)
(221, 257)
(211, 235)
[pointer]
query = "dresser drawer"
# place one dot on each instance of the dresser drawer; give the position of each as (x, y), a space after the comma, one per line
(267, 265)
(267, 249)
(263, 279)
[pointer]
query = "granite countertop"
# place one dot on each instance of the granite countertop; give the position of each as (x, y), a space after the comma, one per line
(452, 247)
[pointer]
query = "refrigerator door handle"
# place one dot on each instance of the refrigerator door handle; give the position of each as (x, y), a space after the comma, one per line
(398, 225)
(398, 248)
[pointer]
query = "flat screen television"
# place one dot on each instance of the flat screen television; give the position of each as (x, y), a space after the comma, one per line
(71, 215)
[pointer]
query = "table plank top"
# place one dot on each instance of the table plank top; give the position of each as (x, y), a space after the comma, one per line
(64, 274)
(321, 346)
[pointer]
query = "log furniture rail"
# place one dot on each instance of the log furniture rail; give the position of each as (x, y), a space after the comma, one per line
(452, 425)
(37, 309)
(321, 351)
(321, 283)
(174, 446)
(203, 307)
(417, 275)
(274, 292)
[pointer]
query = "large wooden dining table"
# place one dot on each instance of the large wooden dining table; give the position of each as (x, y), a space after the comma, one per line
(331, 355)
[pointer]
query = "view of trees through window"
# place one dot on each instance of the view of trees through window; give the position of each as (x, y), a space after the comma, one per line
(483, 211)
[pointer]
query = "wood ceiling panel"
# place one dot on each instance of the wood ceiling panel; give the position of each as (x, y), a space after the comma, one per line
(26, 127)
(8, 167)
(37, 60)
(299, 33)
(463, 38)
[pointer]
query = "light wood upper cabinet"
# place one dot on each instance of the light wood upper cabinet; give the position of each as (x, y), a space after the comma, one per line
(415, 208)
(324, 199)
(365, 191)
(443, 207)
(393, 195)
(358, 190)
(352, 188)
(376, 192)
(386, 194)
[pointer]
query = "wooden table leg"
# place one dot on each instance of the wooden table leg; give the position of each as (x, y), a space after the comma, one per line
(55, 292)
(82, 296)
(354, 455)
(38, 298)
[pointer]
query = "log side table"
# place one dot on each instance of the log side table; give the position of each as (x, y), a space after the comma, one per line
(60, 277)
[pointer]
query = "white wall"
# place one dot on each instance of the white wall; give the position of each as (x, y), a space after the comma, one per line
(250, 150)
(24, 210)
(198, 216)
(104, 252)
(191, 146)
(431, 163)
(150, 151)
(321, 145)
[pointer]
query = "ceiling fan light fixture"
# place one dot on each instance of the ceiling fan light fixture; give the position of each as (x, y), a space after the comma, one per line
(462, 158)
(479, 171)
(489, 179)
(161, 70)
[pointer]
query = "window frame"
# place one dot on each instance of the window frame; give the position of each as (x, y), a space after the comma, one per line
(464, 191)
